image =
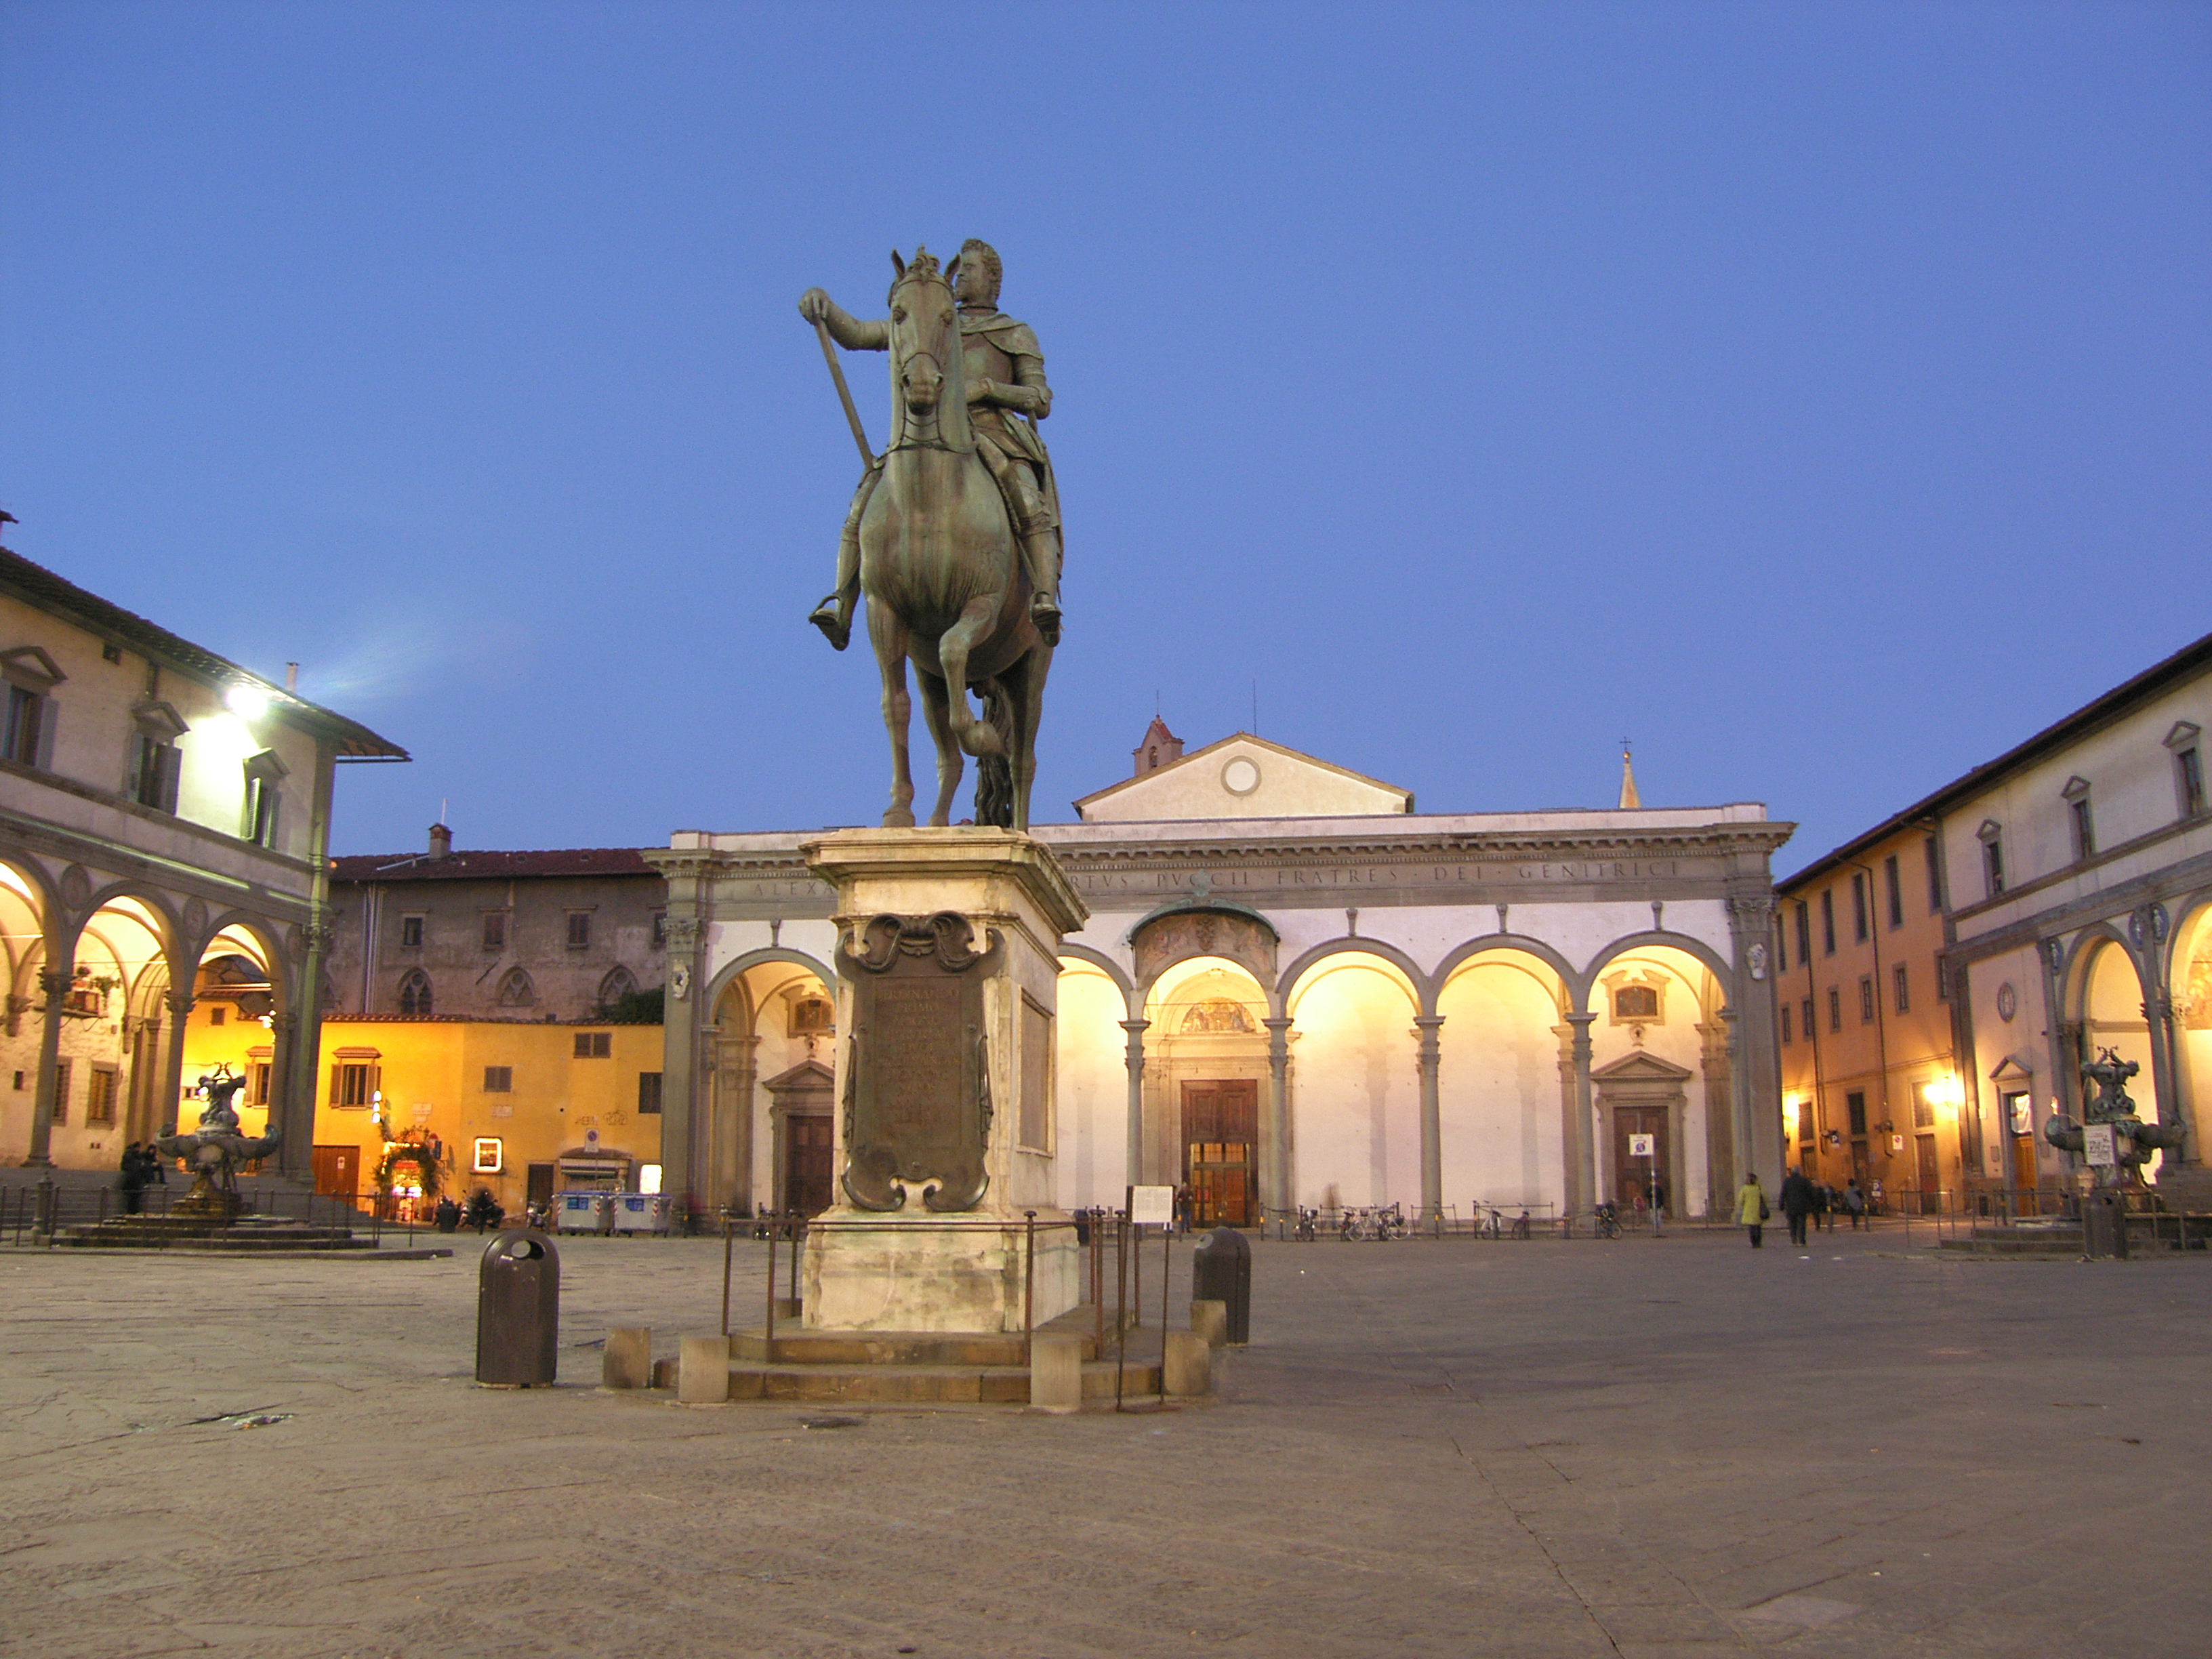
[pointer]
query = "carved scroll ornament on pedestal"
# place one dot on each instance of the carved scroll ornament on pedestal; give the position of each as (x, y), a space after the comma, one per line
(917, 1092)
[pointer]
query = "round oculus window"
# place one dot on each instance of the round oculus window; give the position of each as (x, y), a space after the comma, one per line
(2008, 1002)
(1239, 776)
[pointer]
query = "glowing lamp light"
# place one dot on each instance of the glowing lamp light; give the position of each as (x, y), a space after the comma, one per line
(1948, 1091)
(248, 702)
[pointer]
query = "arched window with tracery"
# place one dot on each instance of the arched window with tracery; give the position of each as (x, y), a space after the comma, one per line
(515, 991)
(618, 983)
(415, 992)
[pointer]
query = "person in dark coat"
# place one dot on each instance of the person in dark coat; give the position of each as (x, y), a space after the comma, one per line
(1855, 1202)
(133, 1168)
(1796, 1203)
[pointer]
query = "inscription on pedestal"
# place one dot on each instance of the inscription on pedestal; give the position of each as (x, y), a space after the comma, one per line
(917, 1088)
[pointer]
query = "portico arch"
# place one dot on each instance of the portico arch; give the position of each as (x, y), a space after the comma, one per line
(2110, 1004)
(759, 1030)
(1506, 1076)
(1359, 1010)
(1656, 1006)
(1206, 1085)
(2189, 991)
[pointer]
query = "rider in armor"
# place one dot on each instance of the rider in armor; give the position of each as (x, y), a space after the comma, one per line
(1005, 370)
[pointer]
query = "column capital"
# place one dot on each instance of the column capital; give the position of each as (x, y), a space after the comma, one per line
(1135, 1027)
(179, 1003)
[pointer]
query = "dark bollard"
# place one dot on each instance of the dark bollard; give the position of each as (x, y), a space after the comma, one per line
(1221, 1271)
(518, 1311)
(2105, 1225)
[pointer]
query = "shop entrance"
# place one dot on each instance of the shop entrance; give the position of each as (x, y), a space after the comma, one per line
(1220, 1150)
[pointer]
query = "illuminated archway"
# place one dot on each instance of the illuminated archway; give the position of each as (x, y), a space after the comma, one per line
(1505, 1078)
(1091, 1083)
(774, 1011)
(1206, 1085)
(1355, 1101)
(1660, 1066)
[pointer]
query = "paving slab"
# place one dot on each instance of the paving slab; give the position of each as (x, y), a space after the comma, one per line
(1643, 1447)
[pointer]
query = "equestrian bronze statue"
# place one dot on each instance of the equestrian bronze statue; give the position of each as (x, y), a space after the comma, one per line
(953, 537)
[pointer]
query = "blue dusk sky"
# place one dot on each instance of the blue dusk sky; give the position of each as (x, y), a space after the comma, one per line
(1816, 394)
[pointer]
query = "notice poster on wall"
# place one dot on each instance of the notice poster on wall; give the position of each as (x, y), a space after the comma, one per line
(2096, 1146)
(1643, 1146)
(1152, 1206)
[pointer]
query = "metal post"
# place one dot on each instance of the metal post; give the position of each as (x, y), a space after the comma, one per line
(726, 1248)
(1120, 1303)
(794, 1252)
(1029, 1286)
(770, 1354)
(1167, 1249)
(1097, 1288)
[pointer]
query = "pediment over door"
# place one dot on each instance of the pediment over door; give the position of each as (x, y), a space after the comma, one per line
(1640, 1067)
(809, 1086)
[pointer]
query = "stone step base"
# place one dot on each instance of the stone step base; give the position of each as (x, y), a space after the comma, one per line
(965, 1385)
(907, 1348)
(246, 1236)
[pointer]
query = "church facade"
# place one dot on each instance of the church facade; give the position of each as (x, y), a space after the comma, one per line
(1295, 989)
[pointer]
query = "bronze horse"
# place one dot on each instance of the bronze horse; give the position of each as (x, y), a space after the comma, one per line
(943, 578)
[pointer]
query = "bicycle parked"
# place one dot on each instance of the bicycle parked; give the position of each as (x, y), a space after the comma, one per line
(1609, 1221)
(1372, 1221)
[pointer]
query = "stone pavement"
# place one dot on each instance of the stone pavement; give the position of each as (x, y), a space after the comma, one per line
(1645, 1447)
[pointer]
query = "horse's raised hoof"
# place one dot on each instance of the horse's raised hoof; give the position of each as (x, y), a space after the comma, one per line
(835, 628)
(899, 817)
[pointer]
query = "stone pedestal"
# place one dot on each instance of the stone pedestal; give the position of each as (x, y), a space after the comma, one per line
(948, 965)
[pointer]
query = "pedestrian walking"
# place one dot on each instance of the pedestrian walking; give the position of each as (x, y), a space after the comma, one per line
(1824, 1204)
(1796, 1203)
(1658, 1204)
(1751, 1209)
(1855, 1202)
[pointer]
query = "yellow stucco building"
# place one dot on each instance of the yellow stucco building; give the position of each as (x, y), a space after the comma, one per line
(525, 1109)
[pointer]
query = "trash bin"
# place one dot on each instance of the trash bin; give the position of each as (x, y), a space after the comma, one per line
(1221, 1271)
(517, 1310)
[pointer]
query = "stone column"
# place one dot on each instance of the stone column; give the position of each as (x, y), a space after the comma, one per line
(737, 1071)
(54, 981)
(2184, 1091)
(291, 1115)
(180, 1004)
(1277, 1193)
(1433, 1139)
(1583, 1193)
(1135, 1062)
(1754, 1056)
(1726, 1155)
(683, 1111)
(299, 1076)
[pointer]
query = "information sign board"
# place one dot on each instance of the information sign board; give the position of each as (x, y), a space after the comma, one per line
(1152, 1206)
(1643, 1146)
(2096, 1146)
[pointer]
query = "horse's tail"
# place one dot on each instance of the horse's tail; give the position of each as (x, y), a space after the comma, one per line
(994, 773)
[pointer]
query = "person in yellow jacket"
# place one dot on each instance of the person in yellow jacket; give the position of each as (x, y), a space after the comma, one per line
(1750, 1208)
